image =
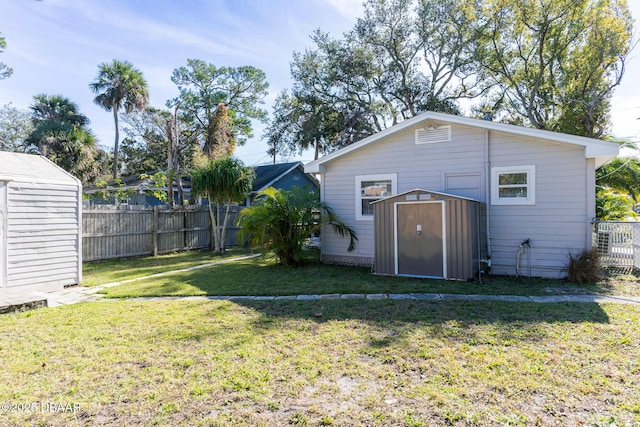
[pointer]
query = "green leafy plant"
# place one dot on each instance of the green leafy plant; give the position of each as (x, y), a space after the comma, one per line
(614, 206)
(281, 221)
(156, 186)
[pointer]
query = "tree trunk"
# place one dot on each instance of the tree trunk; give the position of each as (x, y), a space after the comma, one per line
(180, 190)
(223, 233)
(217, 229)
(170, 175)
(213, 227)
(115, 145)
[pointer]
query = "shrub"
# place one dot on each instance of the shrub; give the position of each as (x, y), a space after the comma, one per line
(584, 267)
(281, 220)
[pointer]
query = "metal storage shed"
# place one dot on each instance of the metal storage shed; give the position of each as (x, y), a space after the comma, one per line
(425, 233)
(40, 224)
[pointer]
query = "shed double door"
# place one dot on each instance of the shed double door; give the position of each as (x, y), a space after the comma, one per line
(420, 240)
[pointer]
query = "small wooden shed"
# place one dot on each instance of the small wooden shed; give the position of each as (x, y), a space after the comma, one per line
(424, 233)
(40, 224)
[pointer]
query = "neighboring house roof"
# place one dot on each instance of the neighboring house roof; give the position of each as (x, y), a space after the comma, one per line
(602, 151)
(32, 167)
(267, 175)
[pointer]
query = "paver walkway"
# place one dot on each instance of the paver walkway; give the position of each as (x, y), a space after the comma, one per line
(13, 300)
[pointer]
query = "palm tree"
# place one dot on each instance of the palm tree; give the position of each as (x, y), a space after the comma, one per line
(58, 108)
(119, 85)
(281, 220)
(223, 181)
(60, 134)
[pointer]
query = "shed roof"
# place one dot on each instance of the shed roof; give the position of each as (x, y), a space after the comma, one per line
(602, 151)
(31, 167)
(422, 190)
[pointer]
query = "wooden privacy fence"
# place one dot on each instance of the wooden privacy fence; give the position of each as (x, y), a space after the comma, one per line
(116, 233)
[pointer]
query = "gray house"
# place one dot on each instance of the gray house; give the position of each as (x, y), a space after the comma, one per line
(40, 224)
(536, 188)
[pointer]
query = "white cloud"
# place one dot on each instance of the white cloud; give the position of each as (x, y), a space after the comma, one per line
(350, 9)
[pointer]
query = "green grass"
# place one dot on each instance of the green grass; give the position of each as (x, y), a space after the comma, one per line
(261, 276)
(116, 270)
(363, 363)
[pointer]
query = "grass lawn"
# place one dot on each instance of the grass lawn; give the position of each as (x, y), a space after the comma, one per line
(260, 276)
(363, 363)
(116, 270)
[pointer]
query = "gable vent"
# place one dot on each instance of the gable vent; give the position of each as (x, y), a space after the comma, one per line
(431, 135)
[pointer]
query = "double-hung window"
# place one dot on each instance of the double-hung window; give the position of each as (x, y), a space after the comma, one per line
(370, 188)
(513, 185)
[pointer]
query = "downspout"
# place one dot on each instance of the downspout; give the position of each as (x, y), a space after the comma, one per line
(487, 174)
(320, 177)
(590, 191)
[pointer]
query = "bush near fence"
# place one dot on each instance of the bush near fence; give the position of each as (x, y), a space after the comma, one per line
(109, 233)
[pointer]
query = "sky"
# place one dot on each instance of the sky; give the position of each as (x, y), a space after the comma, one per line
(56, 46)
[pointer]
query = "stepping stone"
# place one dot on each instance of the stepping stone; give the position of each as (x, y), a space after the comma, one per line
(399, 296)
(426, 296)
(352, 296)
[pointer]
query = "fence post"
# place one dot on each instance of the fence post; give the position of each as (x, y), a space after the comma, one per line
(185, 238)
(154, 228)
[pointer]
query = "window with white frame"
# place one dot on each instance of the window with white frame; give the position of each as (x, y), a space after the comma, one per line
(370, 188)
(513, 185)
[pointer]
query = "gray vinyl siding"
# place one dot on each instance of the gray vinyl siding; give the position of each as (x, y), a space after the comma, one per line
(557, 223)
(417, 166)
(43, 238)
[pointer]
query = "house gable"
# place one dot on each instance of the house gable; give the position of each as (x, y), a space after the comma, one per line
(282, 176)
(602, 151)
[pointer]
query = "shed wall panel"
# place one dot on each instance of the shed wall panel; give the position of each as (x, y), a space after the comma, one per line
(3, 234)
(385, 239)
(42, 241)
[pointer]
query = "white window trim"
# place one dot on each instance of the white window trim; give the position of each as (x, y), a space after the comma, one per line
(530, 170)
(393, 177)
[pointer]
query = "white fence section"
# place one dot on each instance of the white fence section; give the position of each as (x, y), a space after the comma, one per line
(618, 244)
